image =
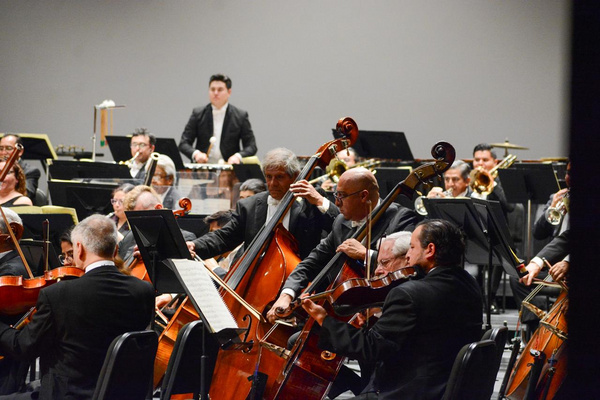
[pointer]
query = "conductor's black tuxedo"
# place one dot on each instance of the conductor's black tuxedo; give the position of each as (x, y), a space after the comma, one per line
(423, 326)
(75, 323)
(307, 223)
(236, 128)
(396, 218)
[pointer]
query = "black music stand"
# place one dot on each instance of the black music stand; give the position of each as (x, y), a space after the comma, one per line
(381, 144)
(33, 250)
(69, 169)
(388, 178)
(529, 184)
(486, 234)
(120, 150)
(33, 226)
(248, 171)
(86, 198)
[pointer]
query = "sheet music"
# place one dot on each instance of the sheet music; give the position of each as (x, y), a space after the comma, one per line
(199, 286)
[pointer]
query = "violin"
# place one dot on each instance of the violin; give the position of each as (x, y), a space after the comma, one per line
(357, 294)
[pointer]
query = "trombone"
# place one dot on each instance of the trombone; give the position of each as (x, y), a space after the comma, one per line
(337, 167)
(482, 181)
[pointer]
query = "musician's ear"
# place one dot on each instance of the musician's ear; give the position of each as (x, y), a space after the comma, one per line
(17, 229)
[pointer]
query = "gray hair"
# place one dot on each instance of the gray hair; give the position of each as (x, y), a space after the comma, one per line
(254, 185)
(167, 164)
(462, 167)
(282, 158)
(401, 242)
(97, 234)
(11, 216)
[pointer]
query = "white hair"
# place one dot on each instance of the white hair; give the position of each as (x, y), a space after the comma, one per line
(401, 242)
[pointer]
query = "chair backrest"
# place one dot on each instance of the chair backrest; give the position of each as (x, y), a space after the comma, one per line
(41, 199)
(473, 374)
(500, 337)
(184, 370)
(128, 367)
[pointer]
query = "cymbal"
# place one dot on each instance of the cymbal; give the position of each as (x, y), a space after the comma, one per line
(507, 145)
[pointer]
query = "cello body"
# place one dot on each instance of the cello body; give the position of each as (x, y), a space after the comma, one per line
(551, 340)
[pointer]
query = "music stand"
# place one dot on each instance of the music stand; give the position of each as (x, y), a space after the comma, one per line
(86, 198)
(248, 171)
(33, 250)
(381, 144)
(69, 169)
(33, 226)
(120, 150)
(193, 223)
(388, 178)
(37, 147)
(486, 234)
(529, 184)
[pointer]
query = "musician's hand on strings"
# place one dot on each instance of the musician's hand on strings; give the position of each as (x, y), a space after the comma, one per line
(307, 191)
(280, 309)
(313, 309)
(533, 270)
(353, 249)
(559, 270)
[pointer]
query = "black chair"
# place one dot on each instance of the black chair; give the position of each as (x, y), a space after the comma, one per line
(41, 198)
(473, 373)
(184, 370)
(500, 337)
(128, 367)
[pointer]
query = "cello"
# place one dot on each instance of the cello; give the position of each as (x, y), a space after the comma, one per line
(309, 371)
(249, 366)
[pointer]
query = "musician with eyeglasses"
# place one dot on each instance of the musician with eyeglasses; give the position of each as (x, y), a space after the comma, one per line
(163, 182)
(118, 214)
(32, 174)
(142, 146)
(357, 194)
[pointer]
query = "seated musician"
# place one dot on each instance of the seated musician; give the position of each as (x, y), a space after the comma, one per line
(163, 181)
(250, 187)
(424, 324)
(306, 220)
(456, 181)
(64, 332)
(12, 373)
(349, 158)
(66, 249)
(118, 214)
(142, 146)
(13, 191)
(32, 174)
(357, 194)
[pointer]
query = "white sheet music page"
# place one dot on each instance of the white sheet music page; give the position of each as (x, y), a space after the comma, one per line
(201, 289)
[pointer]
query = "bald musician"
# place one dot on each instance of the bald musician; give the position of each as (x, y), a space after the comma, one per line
(77, 319)
(357, 194)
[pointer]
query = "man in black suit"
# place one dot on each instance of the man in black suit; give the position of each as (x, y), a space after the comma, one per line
(424, 323)
(76, 320)
(357, 194)
(32, 174)
(310, 216)
(218, 128)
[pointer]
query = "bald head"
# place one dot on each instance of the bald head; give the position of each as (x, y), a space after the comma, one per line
(357, 193)
(361, 179)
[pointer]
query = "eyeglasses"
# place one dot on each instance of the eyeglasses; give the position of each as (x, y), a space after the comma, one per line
(140, 145)
(66, 258)
(116, 201)
(340, 197)
(7, 148)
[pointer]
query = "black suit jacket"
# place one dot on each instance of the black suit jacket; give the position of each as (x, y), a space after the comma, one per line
(423, 326)
(557, 249)
(75, 323)
(306, 224)
(236, 128)
(396, 218)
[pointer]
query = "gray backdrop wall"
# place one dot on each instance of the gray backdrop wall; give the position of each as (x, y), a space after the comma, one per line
(463, 71)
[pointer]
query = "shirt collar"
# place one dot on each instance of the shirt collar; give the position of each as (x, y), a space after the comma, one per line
(97, 264)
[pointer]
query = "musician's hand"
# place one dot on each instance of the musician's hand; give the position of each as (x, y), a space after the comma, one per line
(558, 196)
(234, 159)
(328, 185)
(360, 319)
(136, 252)
(559, 270)
(280, 309)
(162, 300)
(305, 190)
(533, 270)
(436, 192)
(353, 249)
(314, 310)
(200, 157)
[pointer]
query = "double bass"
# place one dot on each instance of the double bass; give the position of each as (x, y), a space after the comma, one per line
(309, 371)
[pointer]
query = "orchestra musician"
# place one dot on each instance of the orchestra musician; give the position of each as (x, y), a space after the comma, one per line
(456, 181)
(306, 221)
(357, 194)
(64, 331)
(142, 146)
(32, 174)
(424, 323)
(163, 181)
(349, 158)
(66, 249)
(13, 191)
(250, 187)
(118, 214)
(224, 122)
